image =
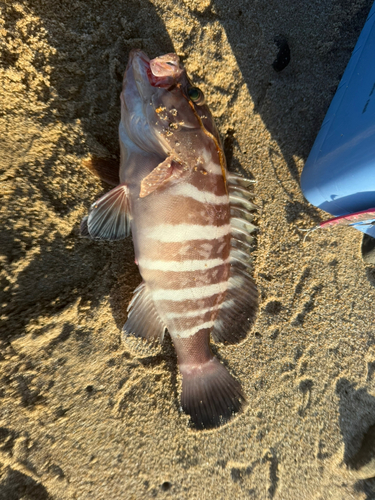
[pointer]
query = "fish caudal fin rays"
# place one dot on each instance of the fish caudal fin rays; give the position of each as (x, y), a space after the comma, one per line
(168, 169)
(107, 169)
(238, 312)
(109, 217)
(210, 395)
(143, 320)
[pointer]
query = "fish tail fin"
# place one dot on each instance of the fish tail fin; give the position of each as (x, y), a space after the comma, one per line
(210, 395)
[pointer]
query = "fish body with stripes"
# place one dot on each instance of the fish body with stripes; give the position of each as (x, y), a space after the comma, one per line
(190, 221)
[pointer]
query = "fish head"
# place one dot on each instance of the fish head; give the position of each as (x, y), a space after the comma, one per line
(164, 114)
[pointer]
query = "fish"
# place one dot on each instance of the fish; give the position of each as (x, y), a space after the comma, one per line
(193, 231)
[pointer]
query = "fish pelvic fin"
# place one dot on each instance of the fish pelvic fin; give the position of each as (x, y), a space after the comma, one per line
(143, 319)
(109, 217)
(210, 395)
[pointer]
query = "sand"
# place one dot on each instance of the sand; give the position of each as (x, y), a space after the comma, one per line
(83, 415)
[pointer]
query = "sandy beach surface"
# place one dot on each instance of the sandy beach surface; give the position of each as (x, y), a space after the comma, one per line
(83, 413)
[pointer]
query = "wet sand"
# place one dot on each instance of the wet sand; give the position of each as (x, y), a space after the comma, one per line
(83, 415)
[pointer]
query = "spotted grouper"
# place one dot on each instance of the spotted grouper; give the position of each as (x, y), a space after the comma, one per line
(191, 223)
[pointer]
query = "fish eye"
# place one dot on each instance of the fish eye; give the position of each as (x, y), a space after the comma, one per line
(196, 95)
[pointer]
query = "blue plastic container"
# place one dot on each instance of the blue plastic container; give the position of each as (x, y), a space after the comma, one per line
(339, 174)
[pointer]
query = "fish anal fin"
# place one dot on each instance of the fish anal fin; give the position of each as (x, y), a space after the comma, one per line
(168, 169)
(109, 217)
(107, 169)
(143, 319)
(210, 395)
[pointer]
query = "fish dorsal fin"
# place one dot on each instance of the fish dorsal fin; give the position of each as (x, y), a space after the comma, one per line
(143, 319)
(109, 217)
(238, 311)
(165, 171)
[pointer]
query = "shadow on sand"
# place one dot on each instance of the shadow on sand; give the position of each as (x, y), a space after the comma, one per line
(357, 424)
(92, 42)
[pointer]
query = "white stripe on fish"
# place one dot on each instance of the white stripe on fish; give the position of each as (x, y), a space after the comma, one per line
(210, 166)
(190, 191)
(181, 266)
(199, 312)
(214, 169)
(184, 334)
(195, 293)
(170, 233)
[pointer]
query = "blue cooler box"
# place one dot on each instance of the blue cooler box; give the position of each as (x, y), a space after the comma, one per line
(339, 174)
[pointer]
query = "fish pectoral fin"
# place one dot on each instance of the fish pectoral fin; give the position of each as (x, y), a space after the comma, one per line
(165, 171)
(107, 169)
(109, 217)
(143, 319)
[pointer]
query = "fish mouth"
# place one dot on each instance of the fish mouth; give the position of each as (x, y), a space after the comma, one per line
(165, 70)
(161, 72)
